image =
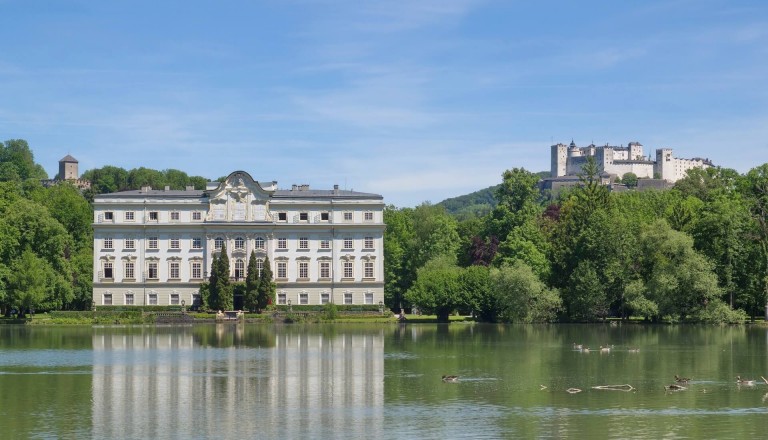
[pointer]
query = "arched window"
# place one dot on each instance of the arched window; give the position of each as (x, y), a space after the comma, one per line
(259, 243)
(239, 269)
(239, 243)
(218, 243)
(259, 266)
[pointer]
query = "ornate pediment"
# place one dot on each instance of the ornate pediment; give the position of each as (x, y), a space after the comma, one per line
(239, 198)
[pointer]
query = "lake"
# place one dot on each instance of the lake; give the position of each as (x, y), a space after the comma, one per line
(381, 381)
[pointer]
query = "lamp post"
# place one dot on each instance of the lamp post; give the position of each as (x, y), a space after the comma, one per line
(183, 306)
(381, 307)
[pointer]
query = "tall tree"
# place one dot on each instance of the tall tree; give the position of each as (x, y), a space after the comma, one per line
(223, 286)
(252, 280)
(267, 287)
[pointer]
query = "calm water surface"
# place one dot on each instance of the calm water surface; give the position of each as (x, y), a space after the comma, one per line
(348, 381)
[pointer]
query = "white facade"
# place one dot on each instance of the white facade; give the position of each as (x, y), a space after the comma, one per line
(568, 161)
(155, 247)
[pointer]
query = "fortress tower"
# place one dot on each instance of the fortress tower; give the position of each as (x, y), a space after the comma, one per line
(68, 168)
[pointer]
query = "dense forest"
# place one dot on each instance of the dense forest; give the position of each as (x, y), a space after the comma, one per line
(695, 253)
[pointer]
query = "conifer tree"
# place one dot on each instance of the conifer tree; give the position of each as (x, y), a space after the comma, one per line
(267, 287)
(223, 287)
(252, 284)
(213, 293)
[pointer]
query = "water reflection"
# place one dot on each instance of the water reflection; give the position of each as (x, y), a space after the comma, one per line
(209, 381)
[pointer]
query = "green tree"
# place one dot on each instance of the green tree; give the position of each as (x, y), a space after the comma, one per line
(251, 297)
(476, 292)
(629, 179)
(754, 187)
(397, 241)
(523, 297)
(267, 287)
(678, 279)
(223, 287)
(29, 282)
(17, 161)
(437, 289)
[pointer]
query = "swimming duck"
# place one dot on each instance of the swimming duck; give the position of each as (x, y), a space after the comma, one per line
(679, 379)
(577, 346)
(605, 349)
(746, 382)
(634, 350)
(450, 378)
(674, 387)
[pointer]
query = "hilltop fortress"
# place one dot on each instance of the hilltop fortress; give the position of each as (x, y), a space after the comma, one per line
(613, 162)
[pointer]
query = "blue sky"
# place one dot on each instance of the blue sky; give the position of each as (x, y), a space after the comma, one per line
(417, 100)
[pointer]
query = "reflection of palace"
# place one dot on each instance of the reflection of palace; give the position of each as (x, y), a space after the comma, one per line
(152, 383)
(155, 247)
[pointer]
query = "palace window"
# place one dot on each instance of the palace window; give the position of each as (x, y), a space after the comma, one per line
(174, 216)
(109, 216)
(368, 243)
(153, 216)
(259, 266)
(129, 270)
(348, 243)
(324, 216)
(259, 243)
(152, 270)
(107, 299)
(175, 243)
(152, 298)
(325, 269)
(130, 243)
(348, 298)
(239, 243)
(108, 243)
(368, 269)
(368, 216)
(129, 299)
(303, 270)
(239, 269)
(281, 298)
(303, 243)
(349, 269)
(325, 244)
(197, 243)
(197, 271)
(197, 215)
(152, 243)
(325, 298)
(282, 217)
(282, 243)
(348, 216)
(174, 299)
(108, 270)
(218, 243)
(303, 298)
(174, 269)
(129, 216)
(369, 297)
(282, 269)
(303, 217)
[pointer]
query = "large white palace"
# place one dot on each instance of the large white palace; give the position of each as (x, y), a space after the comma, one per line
(619, 160)
(155, 247)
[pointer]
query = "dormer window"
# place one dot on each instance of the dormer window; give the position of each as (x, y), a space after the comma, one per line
(304, 217)
(282, 217)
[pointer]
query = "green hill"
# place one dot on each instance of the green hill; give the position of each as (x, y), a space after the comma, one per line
(476, 204)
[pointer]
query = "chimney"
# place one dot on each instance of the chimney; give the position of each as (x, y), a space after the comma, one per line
(336, 189)
(293, 187)
(167, 188)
